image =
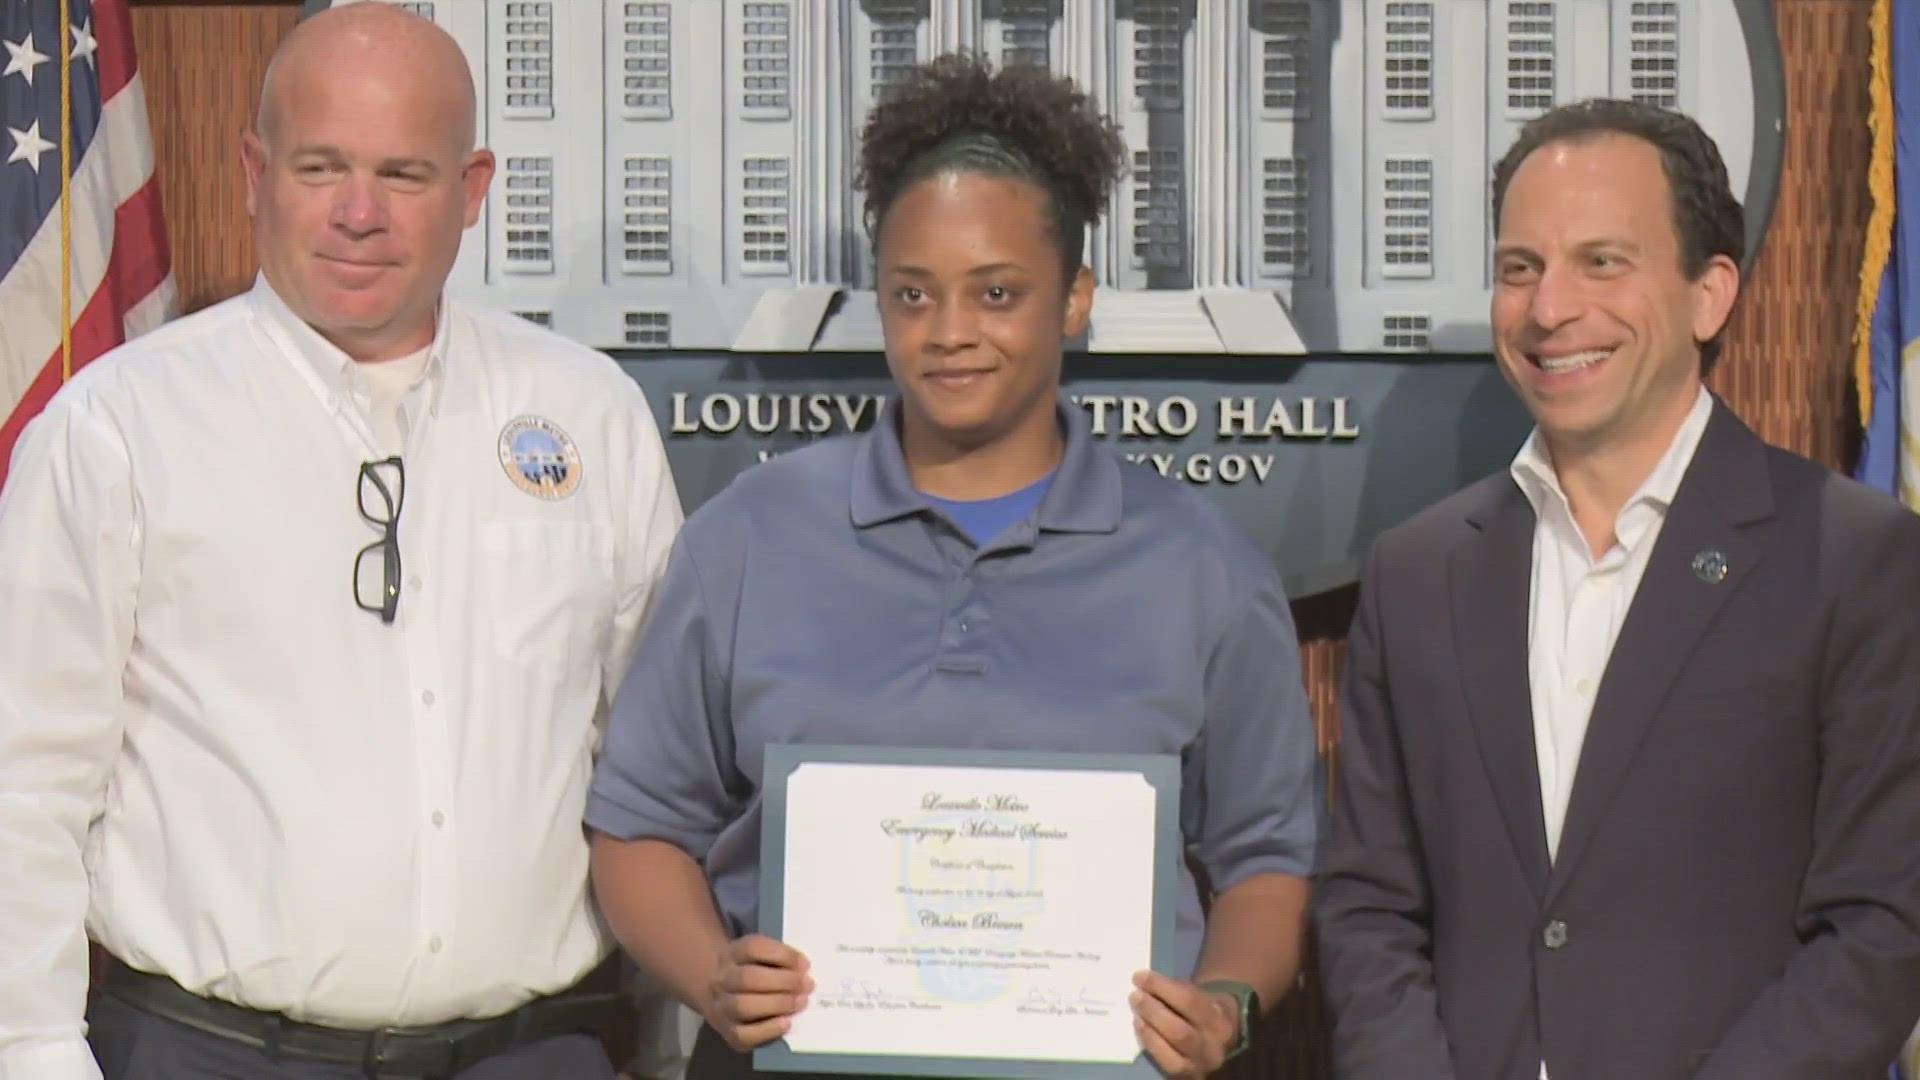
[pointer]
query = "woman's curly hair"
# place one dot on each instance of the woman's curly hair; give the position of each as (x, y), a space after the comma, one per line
(956, 113)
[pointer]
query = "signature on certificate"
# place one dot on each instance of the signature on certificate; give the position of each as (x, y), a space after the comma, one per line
(864, 994)
(1065, 1001)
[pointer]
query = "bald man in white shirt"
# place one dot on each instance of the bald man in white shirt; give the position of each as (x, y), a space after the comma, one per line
(310, 607)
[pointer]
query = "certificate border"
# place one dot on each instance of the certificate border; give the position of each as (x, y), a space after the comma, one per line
(1161, 772)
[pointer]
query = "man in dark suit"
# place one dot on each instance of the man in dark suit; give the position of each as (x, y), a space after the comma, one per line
(1630, 783)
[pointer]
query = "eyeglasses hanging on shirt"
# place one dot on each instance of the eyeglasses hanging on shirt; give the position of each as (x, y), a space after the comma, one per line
(382, 491)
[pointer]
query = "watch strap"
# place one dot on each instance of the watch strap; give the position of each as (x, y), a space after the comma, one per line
(1249, 1011)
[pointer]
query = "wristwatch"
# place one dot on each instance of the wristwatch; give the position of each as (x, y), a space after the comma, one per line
(1249, 1011)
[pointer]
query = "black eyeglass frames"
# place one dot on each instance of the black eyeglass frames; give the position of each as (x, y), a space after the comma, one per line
(382, 489)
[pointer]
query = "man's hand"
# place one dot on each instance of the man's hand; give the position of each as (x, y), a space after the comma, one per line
(760, 984)
(1186, 1030)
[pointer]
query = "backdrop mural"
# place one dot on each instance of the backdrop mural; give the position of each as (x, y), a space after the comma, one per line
(1294, 281)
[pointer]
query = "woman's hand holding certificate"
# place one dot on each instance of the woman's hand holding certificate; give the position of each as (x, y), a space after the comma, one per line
(1187, 1030)
(761, 983)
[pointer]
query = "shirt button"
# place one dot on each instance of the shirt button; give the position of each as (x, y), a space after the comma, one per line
(439, 819)
(1554, 935)
(414, 583)
(1585, 686)
(434, 945)
(426, 697)
(963, 626)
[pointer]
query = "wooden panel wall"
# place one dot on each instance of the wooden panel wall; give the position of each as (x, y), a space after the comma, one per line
(201, 64)
(1789, 361)
(1786, 369)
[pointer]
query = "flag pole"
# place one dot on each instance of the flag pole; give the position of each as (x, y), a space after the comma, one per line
(66, 196)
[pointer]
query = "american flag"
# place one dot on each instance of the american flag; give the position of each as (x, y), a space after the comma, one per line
(78, 200)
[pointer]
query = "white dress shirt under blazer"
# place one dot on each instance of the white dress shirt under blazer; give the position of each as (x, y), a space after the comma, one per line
(1577, 602)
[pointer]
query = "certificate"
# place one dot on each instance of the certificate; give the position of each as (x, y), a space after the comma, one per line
(968, 913)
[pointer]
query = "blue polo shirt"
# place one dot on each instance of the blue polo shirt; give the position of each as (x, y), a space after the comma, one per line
(820, 598)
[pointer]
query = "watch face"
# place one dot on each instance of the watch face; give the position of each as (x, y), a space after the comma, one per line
(1249, 1002)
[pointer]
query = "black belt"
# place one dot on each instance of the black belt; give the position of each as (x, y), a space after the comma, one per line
(417, 1053)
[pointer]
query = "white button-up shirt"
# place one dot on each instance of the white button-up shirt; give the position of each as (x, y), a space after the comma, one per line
(1577, 602)
(239, 777)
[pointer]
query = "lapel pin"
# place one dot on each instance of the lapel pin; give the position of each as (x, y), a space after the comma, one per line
(1710, 566)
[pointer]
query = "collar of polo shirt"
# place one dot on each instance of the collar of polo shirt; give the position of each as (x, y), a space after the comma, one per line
(1084, 495)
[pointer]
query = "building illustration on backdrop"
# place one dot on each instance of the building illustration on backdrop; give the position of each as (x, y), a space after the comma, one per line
(1307, 175)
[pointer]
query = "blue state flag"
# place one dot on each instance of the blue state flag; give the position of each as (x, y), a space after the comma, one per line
(1890, 372)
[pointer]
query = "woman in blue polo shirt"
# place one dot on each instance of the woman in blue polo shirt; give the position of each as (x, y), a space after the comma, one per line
(972, 573)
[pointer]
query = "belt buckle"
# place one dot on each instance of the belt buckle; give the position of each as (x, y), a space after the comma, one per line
(383, 1053)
